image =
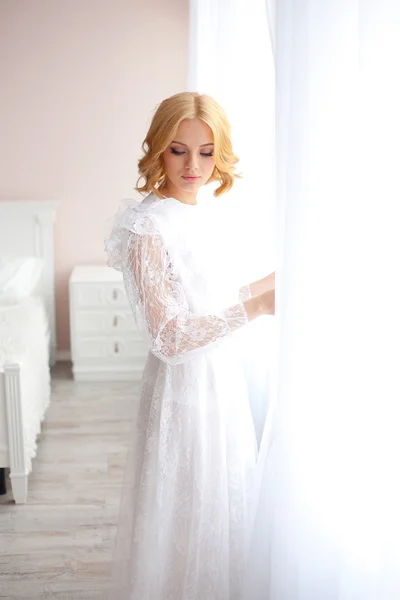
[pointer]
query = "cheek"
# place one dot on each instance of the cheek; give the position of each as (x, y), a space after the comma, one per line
(209, 167)
(170, 163)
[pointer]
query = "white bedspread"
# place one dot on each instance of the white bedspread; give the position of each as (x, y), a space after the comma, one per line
(24, 339)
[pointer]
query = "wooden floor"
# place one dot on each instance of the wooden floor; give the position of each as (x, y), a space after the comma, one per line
(59, 545)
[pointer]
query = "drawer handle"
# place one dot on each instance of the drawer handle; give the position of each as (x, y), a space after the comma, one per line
(116, 347)
(115, 322)
(115, 294)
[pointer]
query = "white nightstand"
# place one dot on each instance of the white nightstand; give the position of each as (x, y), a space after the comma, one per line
(105, 344)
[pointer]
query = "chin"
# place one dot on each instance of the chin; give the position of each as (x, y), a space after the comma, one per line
(187, 186)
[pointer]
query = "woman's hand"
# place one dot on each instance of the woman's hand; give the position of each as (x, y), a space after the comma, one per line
(265, 284)
(263, 304)
(268, 301)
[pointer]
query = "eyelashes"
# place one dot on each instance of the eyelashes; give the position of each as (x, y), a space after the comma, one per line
(180, 152)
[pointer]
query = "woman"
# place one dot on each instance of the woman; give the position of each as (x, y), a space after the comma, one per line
(184, 514)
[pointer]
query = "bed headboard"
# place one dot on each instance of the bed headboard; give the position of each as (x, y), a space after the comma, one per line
(26, 229)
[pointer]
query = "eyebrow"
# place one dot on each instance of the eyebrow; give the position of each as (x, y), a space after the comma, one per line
(182, 144)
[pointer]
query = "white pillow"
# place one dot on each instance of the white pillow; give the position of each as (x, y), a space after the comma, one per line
(19, 278)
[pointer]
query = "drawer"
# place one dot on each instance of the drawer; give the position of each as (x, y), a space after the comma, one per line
(115, 349)
(105, 322)
(92, 295)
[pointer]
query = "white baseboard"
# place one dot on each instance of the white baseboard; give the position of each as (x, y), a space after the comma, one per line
(63, 355)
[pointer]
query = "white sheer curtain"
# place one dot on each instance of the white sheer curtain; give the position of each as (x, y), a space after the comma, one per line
(231, 59)
(328, 519)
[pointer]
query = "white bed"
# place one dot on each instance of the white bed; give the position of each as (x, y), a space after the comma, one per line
(26, 229)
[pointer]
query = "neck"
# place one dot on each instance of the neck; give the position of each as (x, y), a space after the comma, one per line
(171, 191)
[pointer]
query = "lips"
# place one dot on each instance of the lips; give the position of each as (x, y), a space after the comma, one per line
(190, 177)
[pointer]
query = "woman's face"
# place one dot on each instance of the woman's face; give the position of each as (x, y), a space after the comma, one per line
(189, 160)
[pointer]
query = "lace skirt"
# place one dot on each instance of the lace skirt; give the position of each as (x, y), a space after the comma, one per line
(186, 501)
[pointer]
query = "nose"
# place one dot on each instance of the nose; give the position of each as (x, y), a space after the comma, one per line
(191, 161)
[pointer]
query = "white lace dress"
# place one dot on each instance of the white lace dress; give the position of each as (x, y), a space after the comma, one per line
(184, 513)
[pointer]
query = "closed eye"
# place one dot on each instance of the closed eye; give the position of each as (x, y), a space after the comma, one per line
(180, 152)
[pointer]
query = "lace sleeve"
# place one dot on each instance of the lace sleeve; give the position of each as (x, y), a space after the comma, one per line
(244, 293)
(173, 331)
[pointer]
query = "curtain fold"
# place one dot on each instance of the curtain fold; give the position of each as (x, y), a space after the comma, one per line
(327, 525)
(270, 6)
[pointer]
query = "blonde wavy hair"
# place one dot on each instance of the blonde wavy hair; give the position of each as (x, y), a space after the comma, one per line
(164, 125)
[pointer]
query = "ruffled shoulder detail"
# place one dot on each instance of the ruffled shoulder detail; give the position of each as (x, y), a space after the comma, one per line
(131, 216)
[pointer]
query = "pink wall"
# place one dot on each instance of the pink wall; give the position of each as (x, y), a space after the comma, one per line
(79, 82)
